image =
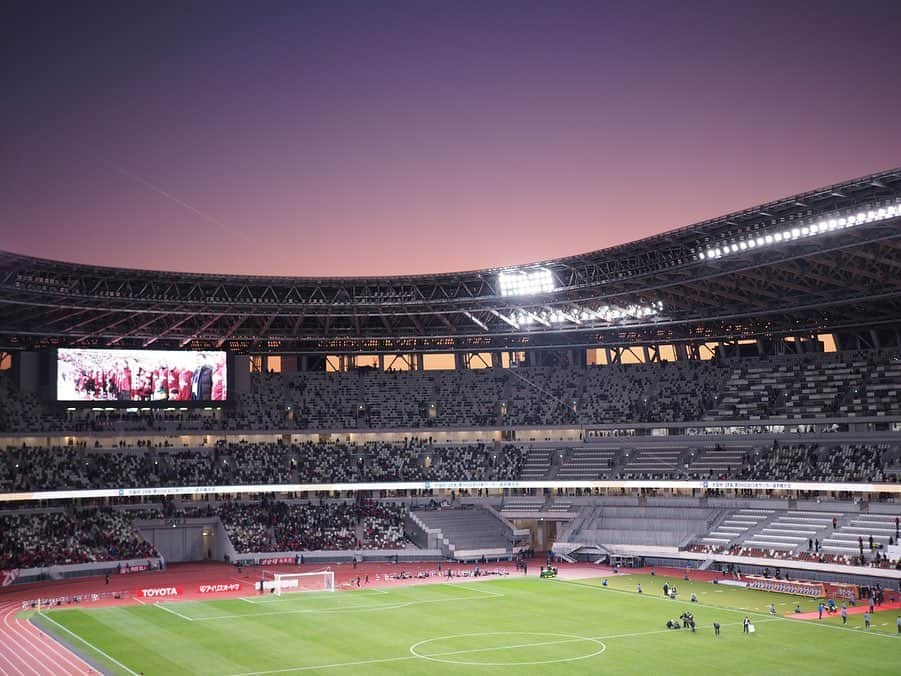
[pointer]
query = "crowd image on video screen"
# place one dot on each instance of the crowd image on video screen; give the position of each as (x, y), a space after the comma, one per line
(140, 375)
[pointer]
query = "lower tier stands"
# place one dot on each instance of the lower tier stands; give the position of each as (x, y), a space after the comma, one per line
(280, 526)
(825, 535)
(467, 529)
(62, 537)
(639, 525)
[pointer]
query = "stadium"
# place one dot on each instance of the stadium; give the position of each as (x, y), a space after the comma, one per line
(465, 471)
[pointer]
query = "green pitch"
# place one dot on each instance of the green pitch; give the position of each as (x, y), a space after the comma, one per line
(529, 625)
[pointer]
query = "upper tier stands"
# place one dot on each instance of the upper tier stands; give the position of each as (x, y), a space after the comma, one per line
(845, 385)
(822, 386)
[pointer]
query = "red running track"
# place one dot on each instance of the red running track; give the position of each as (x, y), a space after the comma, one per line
(26, 650)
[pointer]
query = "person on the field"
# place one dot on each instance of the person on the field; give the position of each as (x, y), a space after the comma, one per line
(665, 589)
(639, 589)
(746, 625)
(866, 621)
(716, 628)
(772, 609)
(844, 614)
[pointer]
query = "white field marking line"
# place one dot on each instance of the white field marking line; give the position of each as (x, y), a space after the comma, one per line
(19, 645)
(724, 609)
(480, 591)
(47, 647)
(653, 597)
(572, 638)
(330, 666)
(87, 643)
(291, 598)
(174, 612)
(139, 601)
(346, 609)
(456, 652)
(856, 630)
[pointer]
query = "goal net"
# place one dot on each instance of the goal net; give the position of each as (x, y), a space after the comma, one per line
(284, 583)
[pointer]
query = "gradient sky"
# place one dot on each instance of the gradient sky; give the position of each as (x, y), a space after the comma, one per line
(383, 137)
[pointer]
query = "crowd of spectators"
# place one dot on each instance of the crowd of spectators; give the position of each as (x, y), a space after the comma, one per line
(31, 468)
(846, 384)
(286, 527)
(37, 539)
(810, 462)
(874, 560)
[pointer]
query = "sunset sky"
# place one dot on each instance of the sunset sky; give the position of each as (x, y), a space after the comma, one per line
(384, 137)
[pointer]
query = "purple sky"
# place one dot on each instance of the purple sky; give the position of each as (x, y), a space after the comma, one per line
(377, 137)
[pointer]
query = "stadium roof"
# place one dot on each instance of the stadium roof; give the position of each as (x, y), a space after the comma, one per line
(822, 261)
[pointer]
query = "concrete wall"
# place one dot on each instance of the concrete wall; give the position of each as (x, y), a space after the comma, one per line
(188, 540)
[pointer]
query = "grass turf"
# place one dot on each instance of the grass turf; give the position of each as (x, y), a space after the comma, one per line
(534, 626)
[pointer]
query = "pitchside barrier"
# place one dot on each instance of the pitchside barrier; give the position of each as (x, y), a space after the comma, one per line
(125, 567)
(339, 556)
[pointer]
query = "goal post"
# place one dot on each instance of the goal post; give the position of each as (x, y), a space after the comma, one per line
(284, 583)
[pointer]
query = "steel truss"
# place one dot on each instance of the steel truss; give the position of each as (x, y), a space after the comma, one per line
(836, 281)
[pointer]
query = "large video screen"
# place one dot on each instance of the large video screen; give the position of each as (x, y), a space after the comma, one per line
(141, 375)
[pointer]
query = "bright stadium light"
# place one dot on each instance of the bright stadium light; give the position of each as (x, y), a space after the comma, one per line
(714, 251)
(526, 282)
(608, 314)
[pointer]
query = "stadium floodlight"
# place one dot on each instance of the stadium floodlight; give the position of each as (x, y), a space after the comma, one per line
(526, 282)
(824, 225)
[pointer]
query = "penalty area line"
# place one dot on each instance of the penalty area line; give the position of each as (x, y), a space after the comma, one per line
(174, 612)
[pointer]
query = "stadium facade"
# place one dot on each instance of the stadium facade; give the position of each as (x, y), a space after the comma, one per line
(768, 366)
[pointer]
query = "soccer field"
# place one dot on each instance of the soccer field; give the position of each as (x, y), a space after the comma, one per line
(530, 625)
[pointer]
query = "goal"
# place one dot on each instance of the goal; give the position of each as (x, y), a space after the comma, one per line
(283, 583)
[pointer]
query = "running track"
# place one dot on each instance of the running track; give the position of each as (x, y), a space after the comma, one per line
(27, 651)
